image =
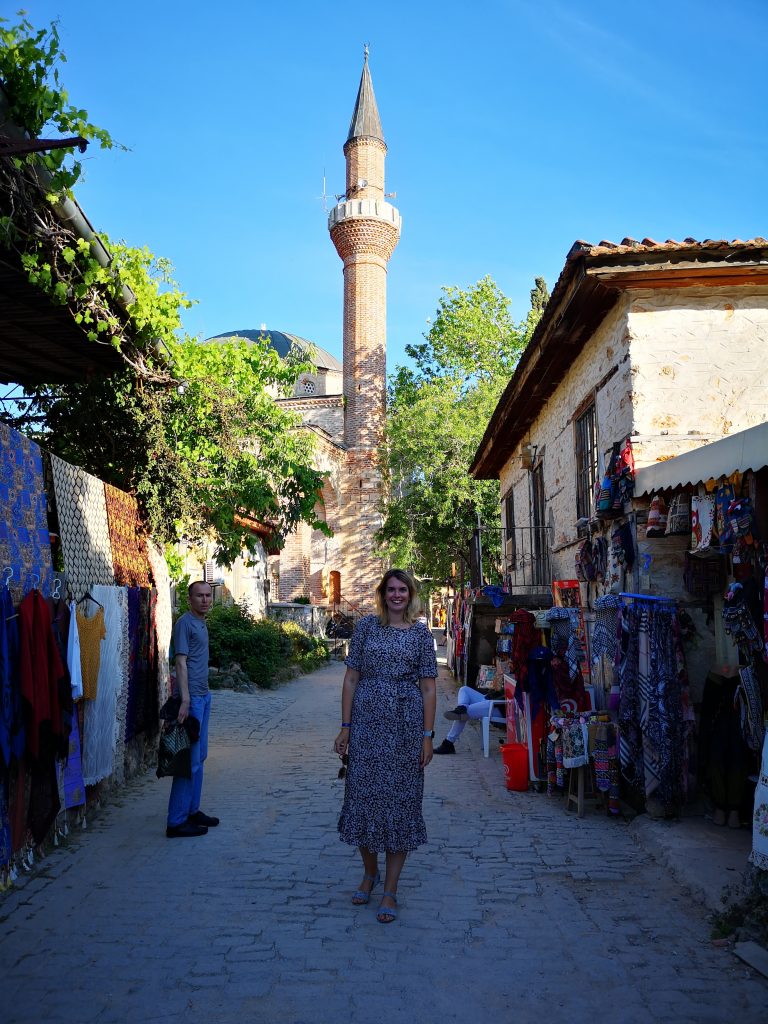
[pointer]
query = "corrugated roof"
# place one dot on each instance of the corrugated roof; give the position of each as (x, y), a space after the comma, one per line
(365, 121)
(282, 342)
(748, 449)
(587, 288)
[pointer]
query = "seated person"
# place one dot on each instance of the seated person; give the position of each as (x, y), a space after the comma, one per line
(472, 704)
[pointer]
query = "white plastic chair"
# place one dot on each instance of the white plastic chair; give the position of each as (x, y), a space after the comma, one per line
(486, 724)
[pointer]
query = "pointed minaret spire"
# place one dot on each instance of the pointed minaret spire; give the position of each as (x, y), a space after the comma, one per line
(365, 229)
(365, 123)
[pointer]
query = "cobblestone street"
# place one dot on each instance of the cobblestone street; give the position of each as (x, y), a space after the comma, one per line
(514, 910)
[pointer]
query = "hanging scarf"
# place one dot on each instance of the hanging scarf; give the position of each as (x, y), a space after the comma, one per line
(12, 734)
(127, 539)
(41, 674)
(25, 543)
(605, 630)
(653, 732)
(82, 511)
(747, 699)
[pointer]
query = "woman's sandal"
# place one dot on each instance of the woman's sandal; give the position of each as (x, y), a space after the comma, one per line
(361, 897)
(386, 915)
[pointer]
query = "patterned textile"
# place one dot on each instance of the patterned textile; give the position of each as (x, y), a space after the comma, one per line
(82, 511)
(71, 785)
(384, 784)
(566, 641)
(551, 768)
(6, 848)
(163, 619)
(600, 757)
(100, 731)
(723, 499)
(574, 735)
(759, 855)
(126, 535)
(750, 707)
(702, 521)
(12, 734)
(25, 543)
(605, 633)
(652, 709)
(143, 707)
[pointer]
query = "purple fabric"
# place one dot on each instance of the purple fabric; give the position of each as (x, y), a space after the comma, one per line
(72, 773)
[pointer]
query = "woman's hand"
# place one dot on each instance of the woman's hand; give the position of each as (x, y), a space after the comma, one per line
(426, 752)
(341, 742)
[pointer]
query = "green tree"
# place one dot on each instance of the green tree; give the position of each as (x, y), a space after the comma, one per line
(202, 443)
(193, 430)
(438, 411)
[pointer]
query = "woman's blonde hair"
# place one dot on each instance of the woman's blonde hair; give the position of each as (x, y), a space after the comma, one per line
(412, 609)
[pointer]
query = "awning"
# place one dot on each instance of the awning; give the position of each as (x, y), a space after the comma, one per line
(737, 453)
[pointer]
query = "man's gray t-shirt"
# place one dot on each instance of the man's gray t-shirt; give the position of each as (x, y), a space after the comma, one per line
(190, 637)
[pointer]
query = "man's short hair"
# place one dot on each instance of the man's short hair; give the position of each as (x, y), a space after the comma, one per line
(205, 583)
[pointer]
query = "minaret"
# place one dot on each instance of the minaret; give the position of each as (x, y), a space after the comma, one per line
(364, 229)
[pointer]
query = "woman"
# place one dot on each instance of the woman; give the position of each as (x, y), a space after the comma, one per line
(387, 726)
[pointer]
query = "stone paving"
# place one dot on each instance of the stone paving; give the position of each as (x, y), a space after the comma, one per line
(514, 909)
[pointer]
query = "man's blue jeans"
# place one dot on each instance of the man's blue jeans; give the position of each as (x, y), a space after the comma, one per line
(185, 793)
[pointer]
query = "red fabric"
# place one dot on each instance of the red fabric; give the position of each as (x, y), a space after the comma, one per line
(41, 670)
(523, 639)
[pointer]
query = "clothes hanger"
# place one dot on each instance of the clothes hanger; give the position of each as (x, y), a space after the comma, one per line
(56, 592)
(87, 596)
(7, 581)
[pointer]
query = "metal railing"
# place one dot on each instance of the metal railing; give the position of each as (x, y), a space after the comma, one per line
(520, 556)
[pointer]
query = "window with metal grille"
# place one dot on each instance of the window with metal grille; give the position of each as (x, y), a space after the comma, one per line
(508, 519)
(586, 461)
(309, 387)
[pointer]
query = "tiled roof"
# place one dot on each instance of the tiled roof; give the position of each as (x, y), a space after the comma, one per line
(587, 288)
(649, 245)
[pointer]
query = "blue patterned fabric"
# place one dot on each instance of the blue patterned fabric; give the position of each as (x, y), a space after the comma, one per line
(11, 716)
(25, 544)
(653, 731)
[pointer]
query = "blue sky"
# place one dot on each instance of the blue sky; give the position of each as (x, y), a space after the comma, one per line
(514, 127)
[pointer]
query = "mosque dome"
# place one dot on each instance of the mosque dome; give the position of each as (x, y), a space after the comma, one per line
(282, 343)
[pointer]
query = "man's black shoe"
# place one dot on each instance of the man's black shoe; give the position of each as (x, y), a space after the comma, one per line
(198, 818)
(185, 831)
(446, 747)
(459, 714)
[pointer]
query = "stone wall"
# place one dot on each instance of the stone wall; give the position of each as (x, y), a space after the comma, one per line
(699, 367)
(675, 368)
(311, 617)
(602, 370)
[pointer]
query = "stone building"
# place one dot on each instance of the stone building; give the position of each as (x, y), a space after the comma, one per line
(344, 403)
(661, 343)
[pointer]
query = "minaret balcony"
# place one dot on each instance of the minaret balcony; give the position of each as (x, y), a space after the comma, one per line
(365, 209)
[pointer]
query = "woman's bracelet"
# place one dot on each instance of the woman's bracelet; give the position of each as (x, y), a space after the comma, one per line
(346, 725)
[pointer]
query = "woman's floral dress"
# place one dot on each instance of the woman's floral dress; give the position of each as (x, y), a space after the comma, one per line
(385, 785)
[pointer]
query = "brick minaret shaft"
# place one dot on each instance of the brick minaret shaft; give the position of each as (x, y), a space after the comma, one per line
(365, 229)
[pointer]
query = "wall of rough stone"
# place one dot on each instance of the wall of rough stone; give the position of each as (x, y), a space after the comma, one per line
(601, 369)
(676, 368)
(699, 366)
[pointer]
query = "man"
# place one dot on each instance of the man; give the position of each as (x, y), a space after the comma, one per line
(472, 704)
(190, 643)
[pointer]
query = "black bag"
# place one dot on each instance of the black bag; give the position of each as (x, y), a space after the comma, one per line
(173, 755)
